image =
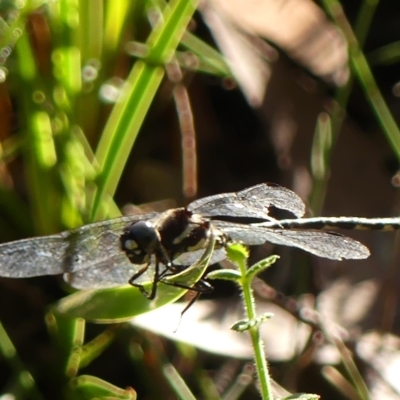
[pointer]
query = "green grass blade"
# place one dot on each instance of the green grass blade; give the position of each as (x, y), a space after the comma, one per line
(127, 116)
(364, 75)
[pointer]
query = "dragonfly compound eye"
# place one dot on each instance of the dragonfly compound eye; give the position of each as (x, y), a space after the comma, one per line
(140, 238)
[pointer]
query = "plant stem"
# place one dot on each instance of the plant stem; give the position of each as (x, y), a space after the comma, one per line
(259, 355)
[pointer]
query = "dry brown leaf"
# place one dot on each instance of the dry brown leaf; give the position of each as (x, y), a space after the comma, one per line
(382, 353)
(298, 27)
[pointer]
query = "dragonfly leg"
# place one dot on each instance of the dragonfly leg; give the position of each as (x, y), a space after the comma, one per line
(170, 269)
(141, 287)
(200, 287)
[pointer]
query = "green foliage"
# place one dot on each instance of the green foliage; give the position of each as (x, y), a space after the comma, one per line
(86, 387)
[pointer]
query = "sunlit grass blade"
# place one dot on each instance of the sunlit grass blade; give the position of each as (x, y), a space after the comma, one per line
(128, 114)
(9, 354)
(209, 59)
(86, 387)
(364, 75)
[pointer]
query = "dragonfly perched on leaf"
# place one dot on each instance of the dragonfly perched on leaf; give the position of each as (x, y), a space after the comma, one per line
(149, 247)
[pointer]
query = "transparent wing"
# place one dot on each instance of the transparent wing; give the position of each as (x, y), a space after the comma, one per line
(252, 202)
(115, 271)
(190, 258)
(323, 244)
(68, 251)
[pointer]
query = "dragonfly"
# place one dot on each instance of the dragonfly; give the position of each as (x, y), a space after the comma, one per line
(149, 247)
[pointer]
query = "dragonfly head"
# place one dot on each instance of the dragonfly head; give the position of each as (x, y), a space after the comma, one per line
(140, 240)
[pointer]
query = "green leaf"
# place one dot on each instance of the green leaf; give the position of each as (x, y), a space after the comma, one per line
(87, 387)
(208, 59)
(90, 351)
(237, 253)
(302, 396)
(68, 334)
(245, 324)
(225, 274)
(261, 266)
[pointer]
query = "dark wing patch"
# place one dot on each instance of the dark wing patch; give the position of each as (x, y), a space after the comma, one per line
(249, 203)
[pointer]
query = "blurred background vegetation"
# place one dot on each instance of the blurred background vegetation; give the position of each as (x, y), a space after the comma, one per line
(105, 103)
